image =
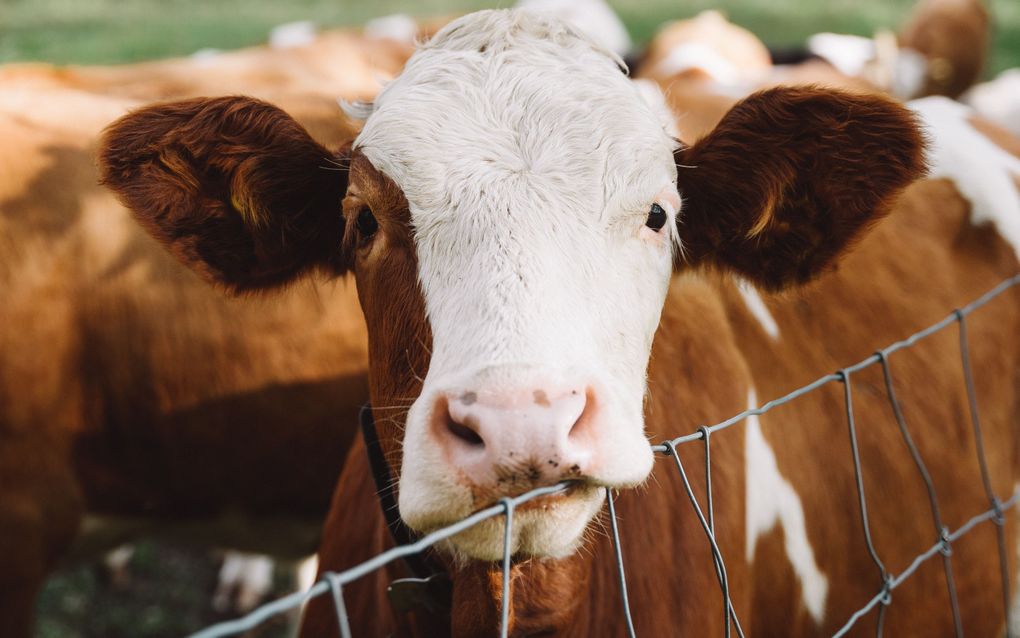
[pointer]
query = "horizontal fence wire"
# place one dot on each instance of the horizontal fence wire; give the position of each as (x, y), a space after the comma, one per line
(333, 582)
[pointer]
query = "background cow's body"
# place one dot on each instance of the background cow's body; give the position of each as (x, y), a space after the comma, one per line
(134, 399)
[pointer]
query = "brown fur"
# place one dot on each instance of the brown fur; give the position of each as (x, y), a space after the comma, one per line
(166, 163)
(789, 177)
(813, 170)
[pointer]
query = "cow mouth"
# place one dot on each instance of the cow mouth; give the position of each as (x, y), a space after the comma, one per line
(544, 503)
(569, 489)
(548, 526)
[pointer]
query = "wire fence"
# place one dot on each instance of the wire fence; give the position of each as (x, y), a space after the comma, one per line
(333, 583)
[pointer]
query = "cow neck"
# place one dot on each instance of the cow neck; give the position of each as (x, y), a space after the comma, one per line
(430, 587)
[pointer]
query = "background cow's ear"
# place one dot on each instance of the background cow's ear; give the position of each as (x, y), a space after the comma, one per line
(790, 177)
(233, 187)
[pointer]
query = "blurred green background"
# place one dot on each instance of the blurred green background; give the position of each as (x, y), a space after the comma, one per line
(108, 31)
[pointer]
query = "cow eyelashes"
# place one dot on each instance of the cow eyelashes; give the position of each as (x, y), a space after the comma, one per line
(656, 218)
(366, 223)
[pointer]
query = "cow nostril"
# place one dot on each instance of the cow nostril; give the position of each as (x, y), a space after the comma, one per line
(456, 422)
(580, 427)
(464, 431)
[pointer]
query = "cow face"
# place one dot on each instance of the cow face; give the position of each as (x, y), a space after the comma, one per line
(512, 214)
(544, 204)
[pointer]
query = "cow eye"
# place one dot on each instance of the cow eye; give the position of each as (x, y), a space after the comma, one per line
(656, 218)
(367, 225)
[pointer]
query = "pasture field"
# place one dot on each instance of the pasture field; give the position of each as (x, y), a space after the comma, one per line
(171, 587)
(109, 31)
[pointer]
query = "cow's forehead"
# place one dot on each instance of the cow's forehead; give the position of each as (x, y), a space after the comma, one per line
(511, 108)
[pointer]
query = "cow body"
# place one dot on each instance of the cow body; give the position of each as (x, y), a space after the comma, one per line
(836, 323)
(437, 206)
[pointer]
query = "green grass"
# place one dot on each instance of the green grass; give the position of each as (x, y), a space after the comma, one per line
(109, 31)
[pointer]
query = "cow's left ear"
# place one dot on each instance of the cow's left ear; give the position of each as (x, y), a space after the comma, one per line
(790, 178)
(233, 187)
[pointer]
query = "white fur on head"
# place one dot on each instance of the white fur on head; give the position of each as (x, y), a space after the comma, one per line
(529, 162)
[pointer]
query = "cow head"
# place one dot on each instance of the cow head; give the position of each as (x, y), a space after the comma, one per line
(512, 212)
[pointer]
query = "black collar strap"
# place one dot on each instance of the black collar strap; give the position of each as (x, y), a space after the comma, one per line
(431, 585)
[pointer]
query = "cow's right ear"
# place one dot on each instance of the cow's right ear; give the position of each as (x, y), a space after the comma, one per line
(233, 187)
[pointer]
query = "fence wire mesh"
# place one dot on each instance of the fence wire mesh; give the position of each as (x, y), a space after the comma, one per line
(333, 583)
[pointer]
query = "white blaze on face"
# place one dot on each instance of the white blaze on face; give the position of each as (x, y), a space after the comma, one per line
(530, 163)
(771, 500)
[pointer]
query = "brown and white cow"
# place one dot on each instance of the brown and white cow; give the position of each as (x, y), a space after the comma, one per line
(520, 226)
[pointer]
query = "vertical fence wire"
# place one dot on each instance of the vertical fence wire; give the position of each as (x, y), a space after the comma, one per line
(728, 612)
(618, 550)
(333, 582)
(337, 590)
(706, 436)
(716, 558)
(941, 531)
(979, 445)
(862, 499)
(504, 623)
